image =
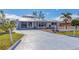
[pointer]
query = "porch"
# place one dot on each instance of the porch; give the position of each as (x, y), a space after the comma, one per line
(36, 25)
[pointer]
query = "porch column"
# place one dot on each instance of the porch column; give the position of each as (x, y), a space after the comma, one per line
(19, 25)
(57, 26)
(38, 25)
(27, 25)
(32, 24)
(35, 24)
(47, 25)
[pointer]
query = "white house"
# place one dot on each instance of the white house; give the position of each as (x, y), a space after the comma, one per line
(32, 22)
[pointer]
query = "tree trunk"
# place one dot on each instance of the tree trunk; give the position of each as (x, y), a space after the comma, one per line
(11, 40)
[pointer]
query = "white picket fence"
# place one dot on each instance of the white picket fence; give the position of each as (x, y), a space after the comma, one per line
(68, 29)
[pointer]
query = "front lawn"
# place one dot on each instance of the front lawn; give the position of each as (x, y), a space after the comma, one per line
(1, 30)
(69, 33)
(5, 40)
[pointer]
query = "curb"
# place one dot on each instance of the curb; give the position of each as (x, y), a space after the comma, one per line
(14, 45)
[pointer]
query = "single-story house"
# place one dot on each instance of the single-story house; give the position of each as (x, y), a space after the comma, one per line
(32, 22)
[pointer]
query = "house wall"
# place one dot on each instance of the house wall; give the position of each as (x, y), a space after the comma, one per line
(35, 25)
(62, 27)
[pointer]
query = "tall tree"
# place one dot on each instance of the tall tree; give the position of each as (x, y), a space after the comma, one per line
(66, 16)
(35, 13)
(41, 15)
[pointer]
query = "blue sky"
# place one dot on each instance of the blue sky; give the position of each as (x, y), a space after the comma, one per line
(49, 13)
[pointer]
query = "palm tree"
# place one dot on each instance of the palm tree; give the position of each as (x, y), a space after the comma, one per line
(35, 13)
(66, 17)
(41, 15)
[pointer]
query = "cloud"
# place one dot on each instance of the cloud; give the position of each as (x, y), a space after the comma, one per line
(75, 16)
(12, 16)
(58, 18)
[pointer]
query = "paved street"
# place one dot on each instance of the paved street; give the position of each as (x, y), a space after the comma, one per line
(40, 40)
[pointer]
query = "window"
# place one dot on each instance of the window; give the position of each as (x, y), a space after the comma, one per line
(42, 24)
(52, 23)
(23, 25)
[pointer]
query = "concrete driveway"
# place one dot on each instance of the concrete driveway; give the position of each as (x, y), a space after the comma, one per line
(40, 40)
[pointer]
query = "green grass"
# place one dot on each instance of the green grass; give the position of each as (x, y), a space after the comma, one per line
(69, 33)
(1, 30)
(5, 40)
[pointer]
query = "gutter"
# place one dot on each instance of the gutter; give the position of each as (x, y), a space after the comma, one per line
(14, 45)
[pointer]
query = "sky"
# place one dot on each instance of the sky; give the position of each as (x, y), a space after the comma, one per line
(49, 13)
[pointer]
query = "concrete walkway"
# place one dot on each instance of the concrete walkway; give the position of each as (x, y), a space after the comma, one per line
(40, 40)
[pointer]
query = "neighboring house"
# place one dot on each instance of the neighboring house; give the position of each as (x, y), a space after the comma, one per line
(62, 26)
(65, 23)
